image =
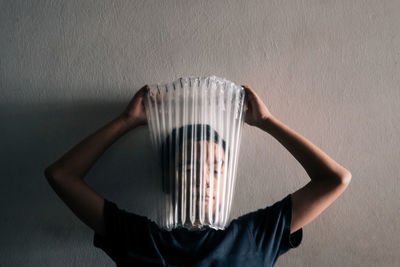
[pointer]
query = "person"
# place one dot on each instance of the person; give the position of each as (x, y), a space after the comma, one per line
(257, 238)
(194, 161)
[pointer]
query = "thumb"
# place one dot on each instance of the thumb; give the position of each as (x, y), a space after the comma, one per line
(249, 92)
(144, 89)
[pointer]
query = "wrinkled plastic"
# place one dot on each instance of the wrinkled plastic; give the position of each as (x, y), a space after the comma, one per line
(195, 125)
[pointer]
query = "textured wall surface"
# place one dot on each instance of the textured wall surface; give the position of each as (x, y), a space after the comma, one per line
(327, 69)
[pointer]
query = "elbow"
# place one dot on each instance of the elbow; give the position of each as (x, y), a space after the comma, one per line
(341, 179)
(56, 173)
(48, 173)
(334, 180)
(346, 178)
(51, 172)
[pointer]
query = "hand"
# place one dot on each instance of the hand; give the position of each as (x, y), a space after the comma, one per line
(135, 113)
(256, 111)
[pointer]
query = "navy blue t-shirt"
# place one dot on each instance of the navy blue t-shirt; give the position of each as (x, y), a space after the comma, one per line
(254, 239)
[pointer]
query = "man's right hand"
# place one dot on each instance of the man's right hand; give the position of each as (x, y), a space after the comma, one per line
(256, 111)
(135, 113)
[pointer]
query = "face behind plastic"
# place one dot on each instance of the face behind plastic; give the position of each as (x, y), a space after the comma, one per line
(199, 181)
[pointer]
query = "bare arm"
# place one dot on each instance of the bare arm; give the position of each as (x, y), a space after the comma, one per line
(66, 174)
(328, 178)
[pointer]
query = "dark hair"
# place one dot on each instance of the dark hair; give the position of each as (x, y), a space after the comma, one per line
(202, 131)
(196, 132)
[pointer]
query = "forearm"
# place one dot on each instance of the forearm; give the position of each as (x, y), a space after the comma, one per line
(77, 161)
(318, 165)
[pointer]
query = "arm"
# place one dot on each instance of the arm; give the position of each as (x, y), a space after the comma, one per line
(66, 174)
(328, 178)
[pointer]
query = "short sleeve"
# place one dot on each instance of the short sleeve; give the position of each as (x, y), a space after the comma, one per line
(270, 228)
(293, 240)
(125, 231)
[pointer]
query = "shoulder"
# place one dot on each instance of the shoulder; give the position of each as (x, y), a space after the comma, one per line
(121, 224)
(272, 224)
(129, 237)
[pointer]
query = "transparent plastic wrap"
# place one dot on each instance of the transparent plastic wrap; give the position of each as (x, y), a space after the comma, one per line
(195, 125)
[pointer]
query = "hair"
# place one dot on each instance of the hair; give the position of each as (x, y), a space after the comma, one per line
(196, 132)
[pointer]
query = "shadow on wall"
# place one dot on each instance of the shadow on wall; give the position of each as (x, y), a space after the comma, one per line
(35, 135)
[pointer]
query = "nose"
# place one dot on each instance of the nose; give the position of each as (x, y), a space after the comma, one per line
(202, 178)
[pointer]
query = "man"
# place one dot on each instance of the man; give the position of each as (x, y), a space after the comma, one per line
(254, 239)
(195, 175)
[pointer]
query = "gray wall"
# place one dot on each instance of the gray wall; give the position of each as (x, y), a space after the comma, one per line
(327, 69)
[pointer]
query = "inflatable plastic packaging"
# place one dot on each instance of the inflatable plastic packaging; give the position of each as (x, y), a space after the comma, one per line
(195, 125)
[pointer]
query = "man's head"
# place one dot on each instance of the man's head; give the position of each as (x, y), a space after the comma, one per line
(194, 163)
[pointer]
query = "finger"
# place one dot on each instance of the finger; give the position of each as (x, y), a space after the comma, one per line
(155, 97)
(248, 93)
(144, 89)
(249, 90)
(246, 87)
(249, 96)
(246, 107)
